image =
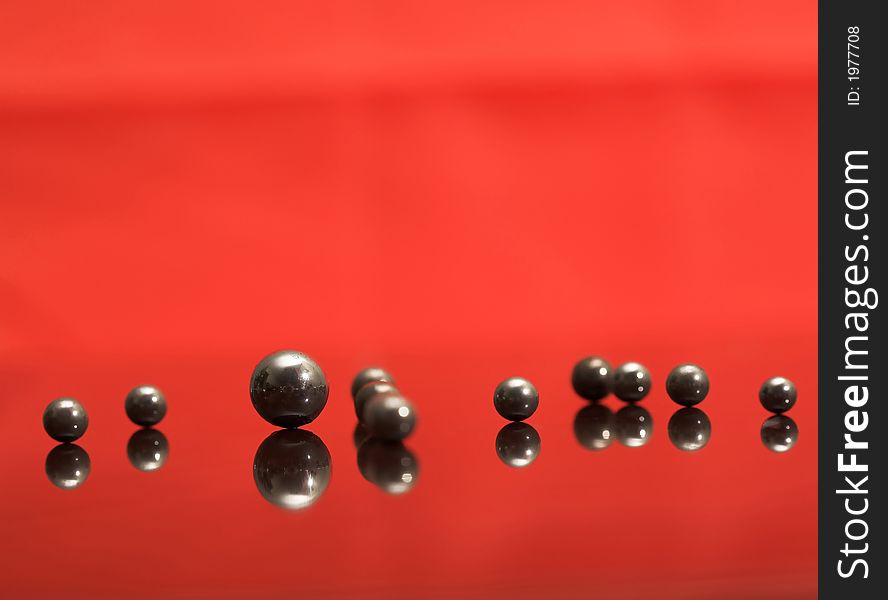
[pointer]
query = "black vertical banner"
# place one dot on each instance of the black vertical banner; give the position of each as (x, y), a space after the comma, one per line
(853, 372)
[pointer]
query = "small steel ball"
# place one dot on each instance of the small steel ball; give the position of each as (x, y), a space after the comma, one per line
(687, 385)
(592, 378)
(288, 389)
(516, 399)
(390, 466)
(633, 425)
(779, 433)
(67, 466)
(147, 449)
(65, 420)
(369, 375)
(367, 391)
(594, 427)
(689, 429)
(145, 405)
(777, 394)
(632, 382)
(389, 416)
(292, 468)
(517, 444)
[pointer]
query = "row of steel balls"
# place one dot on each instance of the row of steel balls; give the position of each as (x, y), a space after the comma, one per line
(593, 378)
(289, 389)
(66, 420)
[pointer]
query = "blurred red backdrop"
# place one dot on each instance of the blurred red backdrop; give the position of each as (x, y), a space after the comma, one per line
(264, 174)
(473, 189)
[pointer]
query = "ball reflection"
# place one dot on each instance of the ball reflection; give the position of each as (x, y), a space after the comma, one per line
(779, 433)
(517, 444)
(292, 468)
(389, 465)
(67, 466)
(147, 449)
(359, 435)
(689, 429)
(633, 425)
(594, 427)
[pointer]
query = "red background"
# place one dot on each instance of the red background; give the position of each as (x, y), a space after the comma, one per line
(458, 190)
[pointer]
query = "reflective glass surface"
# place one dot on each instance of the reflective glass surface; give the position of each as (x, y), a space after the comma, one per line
(217, 504)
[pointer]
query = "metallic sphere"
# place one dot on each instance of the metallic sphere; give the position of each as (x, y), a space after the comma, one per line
(292, 468)
(516, 399)
(592, 378)
(288, 389)
(517, 444)
(689, 429)
(67, 466)
(369, 375)
(594, 427)
(390, 466)
(779, 433)
(632, 382)
(147, 449)
(389, 416)
(778, 394)
(65, 420)
(145, 405)
(687, 385)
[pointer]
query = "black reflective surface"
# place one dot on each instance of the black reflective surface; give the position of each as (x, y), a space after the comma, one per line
(367, 391)
(67, 466)
(593, 426)
(592, 378)
(779, 433)
(389, 465)
(147, 449)
(389, 416)
(632, 382)
(778, 394)
(145, 405)
(369, 375)
(689, 429)
(65, 420)
(292, 468)
(517, 444)
(687, 384)
(634, 426)
(288, 389)
(516, 399)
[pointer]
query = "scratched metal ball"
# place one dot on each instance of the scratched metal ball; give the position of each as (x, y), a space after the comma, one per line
(147, 449)
(687, 385)
(592, 378)
(292, 468)
(389, 465)
(369, 375)
(389, 416)
(779, 433)
(67, 466)
(689, 429)
(288, 389)
(517, 444)
(145, 405)
(594, 427)
(778, 394)
(632, 382)
(369, 390)
(65, 420)
(633, 425)
(516, 399)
